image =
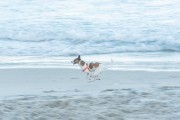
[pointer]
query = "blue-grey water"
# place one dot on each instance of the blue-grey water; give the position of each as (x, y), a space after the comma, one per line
(144, 30)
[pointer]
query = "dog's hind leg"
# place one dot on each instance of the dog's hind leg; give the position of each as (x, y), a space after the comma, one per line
(96, 74)
(97, 78)
(88, 76)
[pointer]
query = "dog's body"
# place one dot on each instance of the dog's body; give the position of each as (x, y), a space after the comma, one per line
(92, 69)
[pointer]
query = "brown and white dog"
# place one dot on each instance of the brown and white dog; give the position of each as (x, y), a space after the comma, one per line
(92, 69)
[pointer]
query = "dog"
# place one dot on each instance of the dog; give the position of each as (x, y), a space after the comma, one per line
(92, 69)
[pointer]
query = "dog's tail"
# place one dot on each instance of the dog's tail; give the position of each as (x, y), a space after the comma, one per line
(110, 65)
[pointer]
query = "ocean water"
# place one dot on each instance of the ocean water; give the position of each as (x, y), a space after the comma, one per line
(137, 34)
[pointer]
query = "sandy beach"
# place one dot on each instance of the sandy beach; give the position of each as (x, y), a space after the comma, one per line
(137, 42)
(65, 94)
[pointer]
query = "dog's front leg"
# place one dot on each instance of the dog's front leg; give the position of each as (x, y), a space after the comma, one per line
(87, 76)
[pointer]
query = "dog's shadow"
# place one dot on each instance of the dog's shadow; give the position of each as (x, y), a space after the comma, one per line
(74, 78)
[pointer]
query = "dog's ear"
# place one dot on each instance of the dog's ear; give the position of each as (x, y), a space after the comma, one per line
(79, 57)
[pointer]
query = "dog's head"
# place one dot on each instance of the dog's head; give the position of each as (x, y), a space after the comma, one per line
(76, 60)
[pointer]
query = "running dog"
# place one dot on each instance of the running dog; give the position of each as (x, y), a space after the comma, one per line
(92, 69)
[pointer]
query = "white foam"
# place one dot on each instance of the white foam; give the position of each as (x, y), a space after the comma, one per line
(131, 61)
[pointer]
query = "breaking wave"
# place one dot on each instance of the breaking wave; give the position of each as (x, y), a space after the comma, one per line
(88, 27)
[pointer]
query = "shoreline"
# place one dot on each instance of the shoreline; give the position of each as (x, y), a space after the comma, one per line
(155, 61)
(77, 68)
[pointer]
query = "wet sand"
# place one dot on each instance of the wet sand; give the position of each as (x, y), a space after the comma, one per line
(49, 93)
